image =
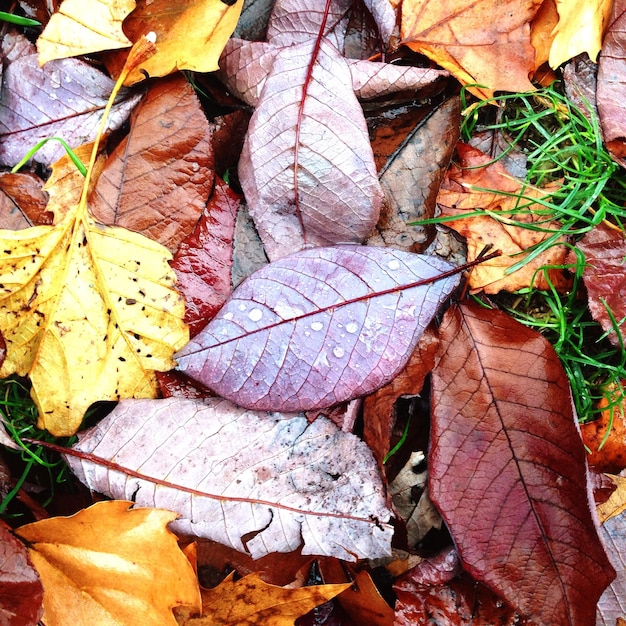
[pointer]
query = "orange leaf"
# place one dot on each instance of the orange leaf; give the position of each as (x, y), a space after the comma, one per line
(480, 42)
(250, 601)
(109, 564)
(463, 196)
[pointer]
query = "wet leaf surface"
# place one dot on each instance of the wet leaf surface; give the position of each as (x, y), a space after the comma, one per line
(317, 328)
(22, 201)
(504, 443)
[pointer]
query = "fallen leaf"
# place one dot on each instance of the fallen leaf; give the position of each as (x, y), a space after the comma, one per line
(21, 592)
(580, 29)
(485, 44)
(88, 313)
(159, 177)
(64, 99)
(204, 259)
(319, 327)
(190, 35)
(257, 482)
(504, 444)
(605, 261)
(474, 174)
(110, 564)
(611, 86)
(250, 601)
(605, 437)
(22, 201)
(616, 504)
(83, 27)
(612, 605)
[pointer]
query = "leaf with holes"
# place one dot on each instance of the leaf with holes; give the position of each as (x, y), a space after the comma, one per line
(318, 327)
(507, 468)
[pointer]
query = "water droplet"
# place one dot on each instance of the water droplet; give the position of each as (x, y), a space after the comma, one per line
(307, 333)
(338, 351)
(242, 307)
(352, 327)
(317, 325)
(255, 315)
(393, 264)
(228, 316)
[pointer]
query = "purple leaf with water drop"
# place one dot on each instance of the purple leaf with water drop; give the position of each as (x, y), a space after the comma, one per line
(318, 327)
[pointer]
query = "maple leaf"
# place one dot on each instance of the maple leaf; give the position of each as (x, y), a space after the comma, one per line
(110, 564)
(258, 482)
(83, 27)
(484, 44)
(250, 601)
(307, 117)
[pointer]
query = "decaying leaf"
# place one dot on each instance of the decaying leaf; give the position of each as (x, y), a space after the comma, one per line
(504, 444)
(276, 481)
(580, 29)
(110, 564)
(616, 504)
(158, 179)
(88, 313)
(612, 604)
(65, 99)
(463, 193)
(190, 34)
(252, 602)
(21, 592)
(22, 201)
(319, 327)
(484, 43)
(83, 27)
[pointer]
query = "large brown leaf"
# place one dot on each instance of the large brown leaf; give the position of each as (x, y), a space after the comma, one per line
(159, 177)
(63, 99)
(276, 480)
(318, 327)
(507, 468)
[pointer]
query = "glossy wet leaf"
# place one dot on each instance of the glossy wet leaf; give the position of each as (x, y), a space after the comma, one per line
(292, 337)
(507, 468)
(110, 564)
(83, 27)
(277, 481)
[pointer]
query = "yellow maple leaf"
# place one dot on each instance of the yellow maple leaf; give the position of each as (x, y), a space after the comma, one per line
(580, 29)
(481, 42)
(250, 601)
(88, 312)
(190, 34)
(83, 27)
(110, 564)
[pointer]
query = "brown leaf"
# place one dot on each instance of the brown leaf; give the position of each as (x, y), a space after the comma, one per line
(159, 177)
(606, 436)
(204, 259)
(604, 277)
(616, 503)
(612, 604)
(484, 43)
(110, 564)
(476, 170)
(21, 592)
(504, 444)
(64, 99)
(250, 601)
(22, 201)
(612, 83)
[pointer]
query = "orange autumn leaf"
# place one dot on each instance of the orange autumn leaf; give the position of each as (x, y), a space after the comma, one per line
(250, 602)
(464, 191)
(480, 42)
(110, 564)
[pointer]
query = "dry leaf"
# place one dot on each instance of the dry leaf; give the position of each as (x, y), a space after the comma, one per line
(110, 564)
(261, 482)
(88, 312)
(616, 504)
(190, 34)
(250, 601)
(22, 201)
(612, 605)
(480, 42)
(580, 29)
(83, 27)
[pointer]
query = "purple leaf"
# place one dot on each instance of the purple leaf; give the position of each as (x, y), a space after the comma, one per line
(318, 327)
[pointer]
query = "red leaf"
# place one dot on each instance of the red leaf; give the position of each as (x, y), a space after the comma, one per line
(203, 261)
(507, 468)
(21, 593)
(317, 328)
